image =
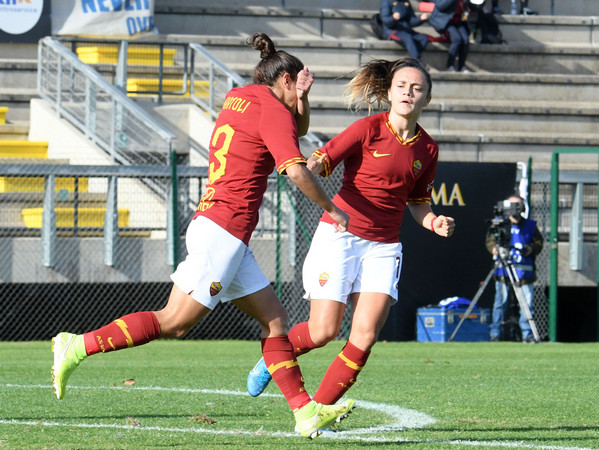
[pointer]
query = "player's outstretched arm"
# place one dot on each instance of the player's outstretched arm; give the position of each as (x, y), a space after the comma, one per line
(305, 181)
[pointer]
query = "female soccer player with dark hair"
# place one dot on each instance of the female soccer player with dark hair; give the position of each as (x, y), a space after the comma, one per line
(390, 163)
(256, 131)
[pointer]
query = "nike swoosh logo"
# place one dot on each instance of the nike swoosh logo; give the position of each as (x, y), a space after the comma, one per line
(64, 351)
(376, 154)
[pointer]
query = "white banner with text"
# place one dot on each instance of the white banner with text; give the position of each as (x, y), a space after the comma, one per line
(115, 18)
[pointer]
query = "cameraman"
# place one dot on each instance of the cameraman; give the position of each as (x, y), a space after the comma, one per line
(526, 242)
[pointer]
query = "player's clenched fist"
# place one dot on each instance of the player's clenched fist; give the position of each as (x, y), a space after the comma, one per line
(304, 82)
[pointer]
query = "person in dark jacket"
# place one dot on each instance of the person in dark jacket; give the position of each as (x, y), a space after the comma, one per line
(449, 16)
(399, 20)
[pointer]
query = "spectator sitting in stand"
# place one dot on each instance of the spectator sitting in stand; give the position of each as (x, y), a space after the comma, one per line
(524, 9)
(496, 9)
(451, 16)
(399, 20)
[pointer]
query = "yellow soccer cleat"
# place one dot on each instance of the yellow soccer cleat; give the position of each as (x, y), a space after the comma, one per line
(312, 419)
(69, 351)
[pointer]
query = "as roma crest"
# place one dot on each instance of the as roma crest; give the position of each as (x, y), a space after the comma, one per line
(416, 167)
(324, 277)
(215, 288)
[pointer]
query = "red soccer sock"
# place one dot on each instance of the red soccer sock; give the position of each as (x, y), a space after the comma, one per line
(299, 336)
(341, 374)
(284, 368)
(131, 330)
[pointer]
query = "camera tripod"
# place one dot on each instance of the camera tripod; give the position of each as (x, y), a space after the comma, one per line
(514, 282)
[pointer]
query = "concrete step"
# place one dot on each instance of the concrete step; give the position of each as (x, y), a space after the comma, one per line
(546, 7)
(459, 145)
(558, 88)
(17, 99)
(465, 146)
(14, 131)
(346, 23)
(18, 73)
(18, 51)
(560, 8)
(320, 54)
(481, 117)
(163, 6)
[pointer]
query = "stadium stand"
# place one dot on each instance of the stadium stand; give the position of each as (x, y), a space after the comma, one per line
(535, 91)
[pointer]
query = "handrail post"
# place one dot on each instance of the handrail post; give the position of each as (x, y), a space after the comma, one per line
(553, 241)
(49, 223)
(576, 236)
(90, 110)
(278, 238)
(172, 225)
(598, 258)
(111, 224)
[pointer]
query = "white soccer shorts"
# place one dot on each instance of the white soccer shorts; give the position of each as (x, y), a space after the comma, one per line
(340, 263)
(219, 267)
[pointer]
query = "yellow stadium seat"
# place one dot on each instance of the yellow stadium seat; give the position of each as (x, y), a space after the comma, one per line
(151, 84)
(87, 217)
(3, 111)
(36, 184)
(144, 56)
(23, 149)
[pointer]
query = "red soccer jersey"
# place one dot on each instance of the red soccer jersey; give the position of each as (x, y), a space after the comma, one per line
(382, 173)
(253, 133)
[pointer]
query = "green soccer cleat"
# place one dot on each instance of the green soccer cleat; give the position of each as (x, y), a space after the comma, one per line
(312, 419)
(69, 351)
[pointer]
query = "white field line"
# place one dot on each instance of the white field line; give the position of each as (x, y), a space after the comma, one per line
(403, 419)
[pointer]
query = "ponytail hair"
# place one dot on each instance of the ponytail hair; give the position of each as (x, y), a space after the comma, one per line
(372, 81)
(273, 63)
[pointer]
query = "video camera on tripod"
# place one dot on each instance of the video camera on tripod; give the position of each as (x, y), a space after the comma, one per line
(500, 226)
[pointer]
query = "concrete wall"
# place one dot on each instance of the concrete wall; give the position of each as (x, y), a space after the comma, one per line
(587, 277)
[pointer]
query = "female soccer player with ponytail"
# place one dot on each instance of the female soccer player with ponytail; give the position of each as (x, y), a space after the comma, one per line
(390, 163)
(256, 131)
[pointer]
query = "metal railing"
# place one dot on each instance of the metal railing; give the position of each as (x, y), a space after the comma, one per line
(165, 70)
(210, 81)
(101, 111)
(219, 78)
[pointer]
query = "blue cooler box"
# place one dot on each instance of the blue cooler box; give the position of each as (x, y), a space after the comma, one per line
(438, 324)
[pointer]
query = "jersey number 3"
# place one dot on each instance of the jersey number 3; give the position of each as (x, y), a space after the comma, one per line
(220, 153)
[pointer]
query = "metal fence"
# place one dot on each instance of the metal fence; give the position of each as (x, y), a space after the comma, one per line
(83, 245)
(570, 219)
(106, 251)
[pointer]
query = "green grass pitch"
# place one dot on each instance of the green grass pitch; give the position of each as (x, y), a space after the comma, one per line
(191, 394)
